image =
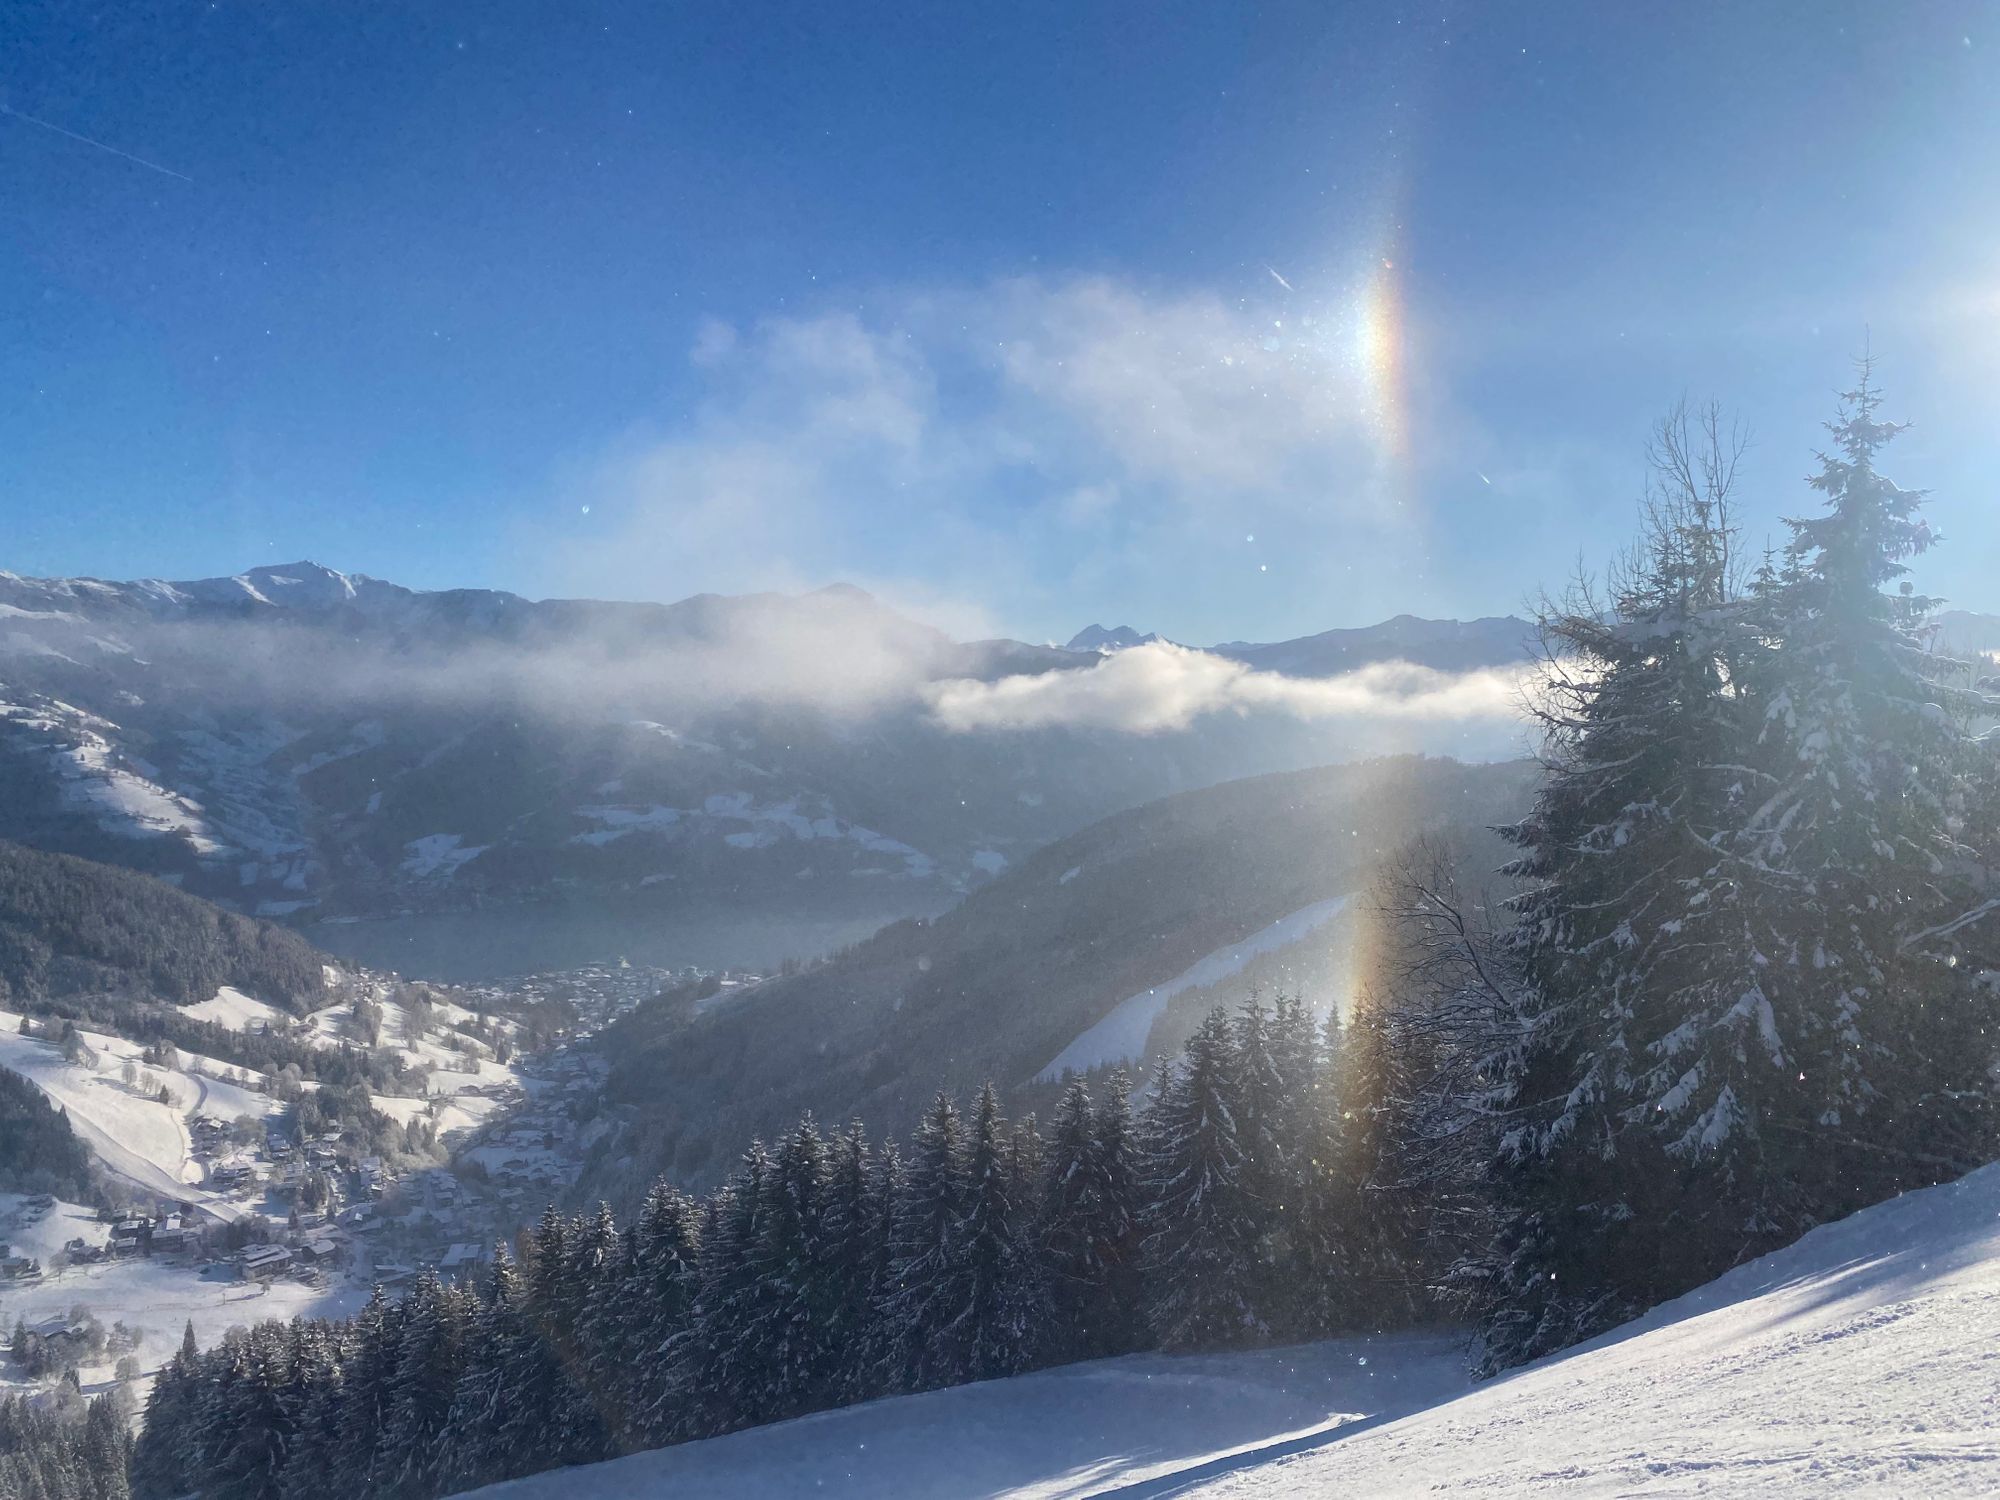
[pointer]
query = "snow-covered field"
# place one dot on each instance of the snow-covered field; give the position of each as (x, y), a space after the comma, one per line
(1081, 1430)
(1865, 1359)
(135, 1135)
(160, 1299)
(239, 1012)
(40, 1234)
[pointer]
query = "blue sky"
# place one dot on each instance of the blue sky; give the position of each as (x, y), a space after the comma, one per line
(1227, 321)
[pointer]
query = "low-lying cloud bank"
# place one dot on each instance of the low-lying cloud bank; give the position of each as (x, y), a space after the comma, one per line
(836, 653)
(1161, 688)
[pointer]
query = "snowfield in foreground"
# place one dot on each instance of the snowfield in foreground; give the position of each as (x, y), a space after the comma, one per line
(1081, 1430)
(1865, 1359)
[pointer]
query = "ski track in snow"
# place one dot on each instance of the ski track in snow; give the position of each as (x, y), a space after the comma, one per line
(1121, 1035)
(134, 1135)
(1863, 1360)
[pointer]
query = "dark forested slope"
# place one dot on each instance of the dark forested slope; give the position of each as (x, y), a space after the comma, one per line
(71, 926)
(1001, 984)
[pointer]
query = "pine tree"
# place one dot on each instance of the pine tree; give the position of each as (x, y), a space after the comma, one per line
(794, 1294)
(107, 1448)
(661, 1281)
(601, 1360)
(364, 1404)
(1376, 1221)
(160, 1459)
(1318, 1262)
(311, 1402)
(1869, 777)
(430, 1358)
(1088, 1233)
(247, 1432)
(926, 1300)
(1002, 1317)
(719, 1369)
(1650, 1043)
(853, 1227)
(876, 1366)
(1201, 1220)
(1069, 1232)
(472, 1453)
(1117, 1324)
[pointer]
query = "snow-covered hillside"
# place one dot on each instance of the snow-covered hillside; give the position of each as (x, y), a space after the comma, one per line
(1861, 1360)
(1086, 1429)
(1121, 1036)
(126, 1125)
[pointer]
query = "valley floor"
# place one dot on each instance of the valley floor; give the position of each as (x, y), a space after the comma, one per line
(1865, 1359)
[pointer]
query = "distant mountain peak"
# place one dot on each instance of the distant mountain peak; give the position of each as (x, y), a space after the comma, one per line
(854, 593)
(1096, 637)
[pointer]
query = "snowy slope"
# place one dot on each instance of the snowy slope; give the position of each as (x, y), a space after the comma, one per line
(157, 1299)
(136, 1136)
(1082, 1430)
(1865, 1359)
(1121, 1035)
(239, 1012)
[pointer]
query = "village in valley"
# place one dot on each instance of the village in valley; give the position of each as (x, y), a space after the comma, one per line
(230, 1196)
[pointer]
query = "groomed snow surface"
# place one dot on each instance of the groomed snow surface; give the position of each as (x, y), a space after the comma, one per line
(1865, 1359)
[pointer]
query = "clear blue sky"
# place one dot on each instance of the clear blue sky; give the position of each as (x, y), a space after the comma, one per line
(1226, 320)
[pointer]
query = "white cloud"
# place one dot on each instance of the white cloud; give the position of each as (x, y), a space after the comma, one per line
(1028, 447)
(1160, 687)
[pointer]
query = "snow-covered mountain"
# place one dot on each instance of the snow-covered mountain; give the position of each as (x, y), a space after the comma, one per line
(303, 743)
(1448, 645)
(1096, 637)
(1857, 1361)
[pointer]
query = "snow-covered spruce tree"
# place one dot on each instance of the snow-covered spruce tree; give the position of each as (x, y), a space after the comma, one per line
(107, 1448)
(788, 1318)
(1201, 1222)
(1297, 1295)
(1379, 1212)
(430, 1357)
(660, 1287)
(602, 1353)
(1118, 1322)
(1027, 1165)
(873, 1365)
(1003, 1310)
(472, 1453)
(923, 1311)
(546, 1420)
(364, 1400)
(1317, 1212)
(1651, 1051)
(1087, 1239)
(1262, 1115)
(312, 1404)
(1870, 774)
(1070, 1231)
(247, 1432)
(852, 1230)
(721, 1368)
(160, 1467)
